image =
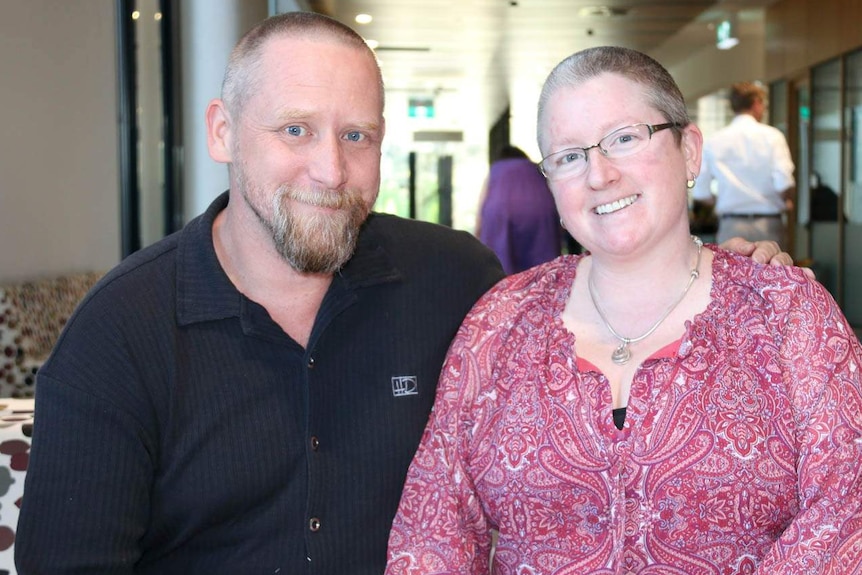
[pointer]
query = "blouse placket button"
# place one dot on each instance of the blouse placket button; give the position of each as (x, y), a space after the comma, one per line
(314, 524)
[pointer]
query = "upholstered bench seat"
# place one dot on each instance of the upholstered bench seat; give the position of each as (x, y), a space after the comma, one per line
(32, 315)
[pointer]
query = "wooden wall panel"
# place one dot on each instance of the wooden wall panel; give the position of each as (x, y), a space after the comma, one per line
(851, 24)
(802, 33)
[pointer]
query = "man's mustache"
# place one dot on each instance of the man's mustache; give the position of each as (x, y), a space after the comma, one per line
(320, 198)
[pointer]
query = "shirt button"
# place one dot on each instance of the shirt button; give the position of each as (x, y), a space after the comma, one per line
(310, 363)
(314, 524)
(315, 443)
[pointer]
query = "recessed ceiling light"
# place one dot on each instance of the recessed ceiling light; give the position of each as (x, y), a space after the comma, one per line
(372, 43)
(363, 18)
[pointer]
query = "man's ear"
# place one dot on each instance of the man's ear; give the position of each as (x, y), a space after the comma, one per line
(219, 131)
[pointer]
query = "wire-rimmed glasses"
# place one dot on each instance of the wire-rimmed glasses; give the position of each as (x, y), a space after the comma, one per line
(620, 143)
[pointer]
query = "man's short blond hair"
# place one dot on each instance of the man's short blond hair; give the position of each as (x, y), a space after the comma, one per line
(242, 73)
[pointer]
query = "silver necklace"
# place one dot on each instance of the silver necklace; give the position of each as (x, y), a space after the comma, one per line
(622, 354)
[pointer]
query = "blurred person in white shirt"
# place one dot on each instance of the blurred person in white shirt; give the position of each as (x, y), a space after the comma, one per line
(752, 167)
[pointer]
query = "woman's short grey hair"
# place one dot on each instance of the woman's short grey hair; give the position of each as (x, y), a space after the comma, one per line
(242, 76)
(660, 88)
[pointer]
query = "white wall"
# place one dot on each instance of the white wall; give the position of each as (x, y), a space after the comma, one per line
(209, 31)
(710, 69)
(701, 69)
(59, 182)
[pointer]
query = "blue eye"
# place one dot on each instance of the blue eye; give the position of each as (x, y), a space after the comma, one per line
(355, 136)
(570, 156)
(295, 130)
(626, 139)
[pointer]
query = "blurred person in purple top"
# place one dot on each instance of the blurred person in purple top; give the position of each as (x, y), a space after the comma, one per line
(517, 217)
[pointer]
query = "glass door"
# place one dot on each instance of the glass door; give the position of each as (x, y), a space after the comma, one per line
(420, 183)
(799, 139)
(822, 182)
(780, 117)
(851, 200)
(149, 130)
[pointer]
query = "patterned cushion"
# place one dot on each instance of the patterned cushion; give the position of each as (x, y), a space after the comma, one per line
(32, 315)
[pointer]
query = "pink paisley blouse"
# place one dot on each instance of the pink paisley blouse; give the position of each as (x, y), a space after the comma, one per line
(741, 451)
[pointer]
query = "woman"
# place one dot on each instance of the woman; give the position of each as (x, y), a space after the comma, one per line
(653, 406)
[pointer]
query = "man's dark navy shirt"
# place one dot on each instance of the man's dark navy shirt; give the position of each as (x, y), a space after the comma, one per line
(179, 430)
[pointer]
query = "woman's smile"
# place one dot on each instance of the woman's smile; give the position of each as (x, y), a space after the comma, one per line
(616, 205)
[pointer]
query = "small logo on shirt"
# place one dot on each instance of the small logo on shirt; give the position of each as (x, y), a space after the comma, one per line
(403, 385)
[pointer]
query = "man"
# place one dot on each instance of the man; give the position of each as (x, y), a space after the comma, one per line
(752, 167)
(246, 395)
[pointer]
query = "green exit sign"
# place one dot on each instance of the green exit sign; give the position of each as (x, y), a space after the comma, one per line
(420, 108)
(725, 35)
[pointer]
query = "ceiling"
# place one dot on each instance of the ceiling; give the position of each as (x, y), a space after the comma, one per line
(479, 54)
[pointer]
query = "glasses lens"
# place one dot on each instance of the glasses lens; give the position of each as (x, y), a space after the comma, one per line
(565, 163)
(626, 141)
(618, 144)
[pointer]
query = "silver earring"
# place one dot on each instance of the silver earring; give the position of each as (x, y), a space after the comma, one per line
(562, 223)
(690, 183)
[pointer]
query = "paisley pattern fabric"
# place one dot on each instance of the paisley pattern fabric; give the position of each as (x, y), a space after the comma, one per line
(741, 451)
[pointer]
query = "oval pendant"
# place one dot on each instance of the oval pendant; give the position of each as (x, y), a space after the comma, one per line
(621, 354)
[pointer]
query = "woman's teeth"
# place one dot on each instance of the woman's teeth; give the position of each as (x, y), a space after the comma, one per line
(615, 206)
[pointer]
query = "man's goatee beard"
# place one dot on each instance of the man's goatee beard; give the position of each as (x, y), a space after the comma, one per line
(321, 242)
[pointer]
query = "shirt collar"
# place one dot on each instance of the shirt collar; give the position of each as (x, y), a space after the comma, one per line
(744, 118)
(205, 293)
